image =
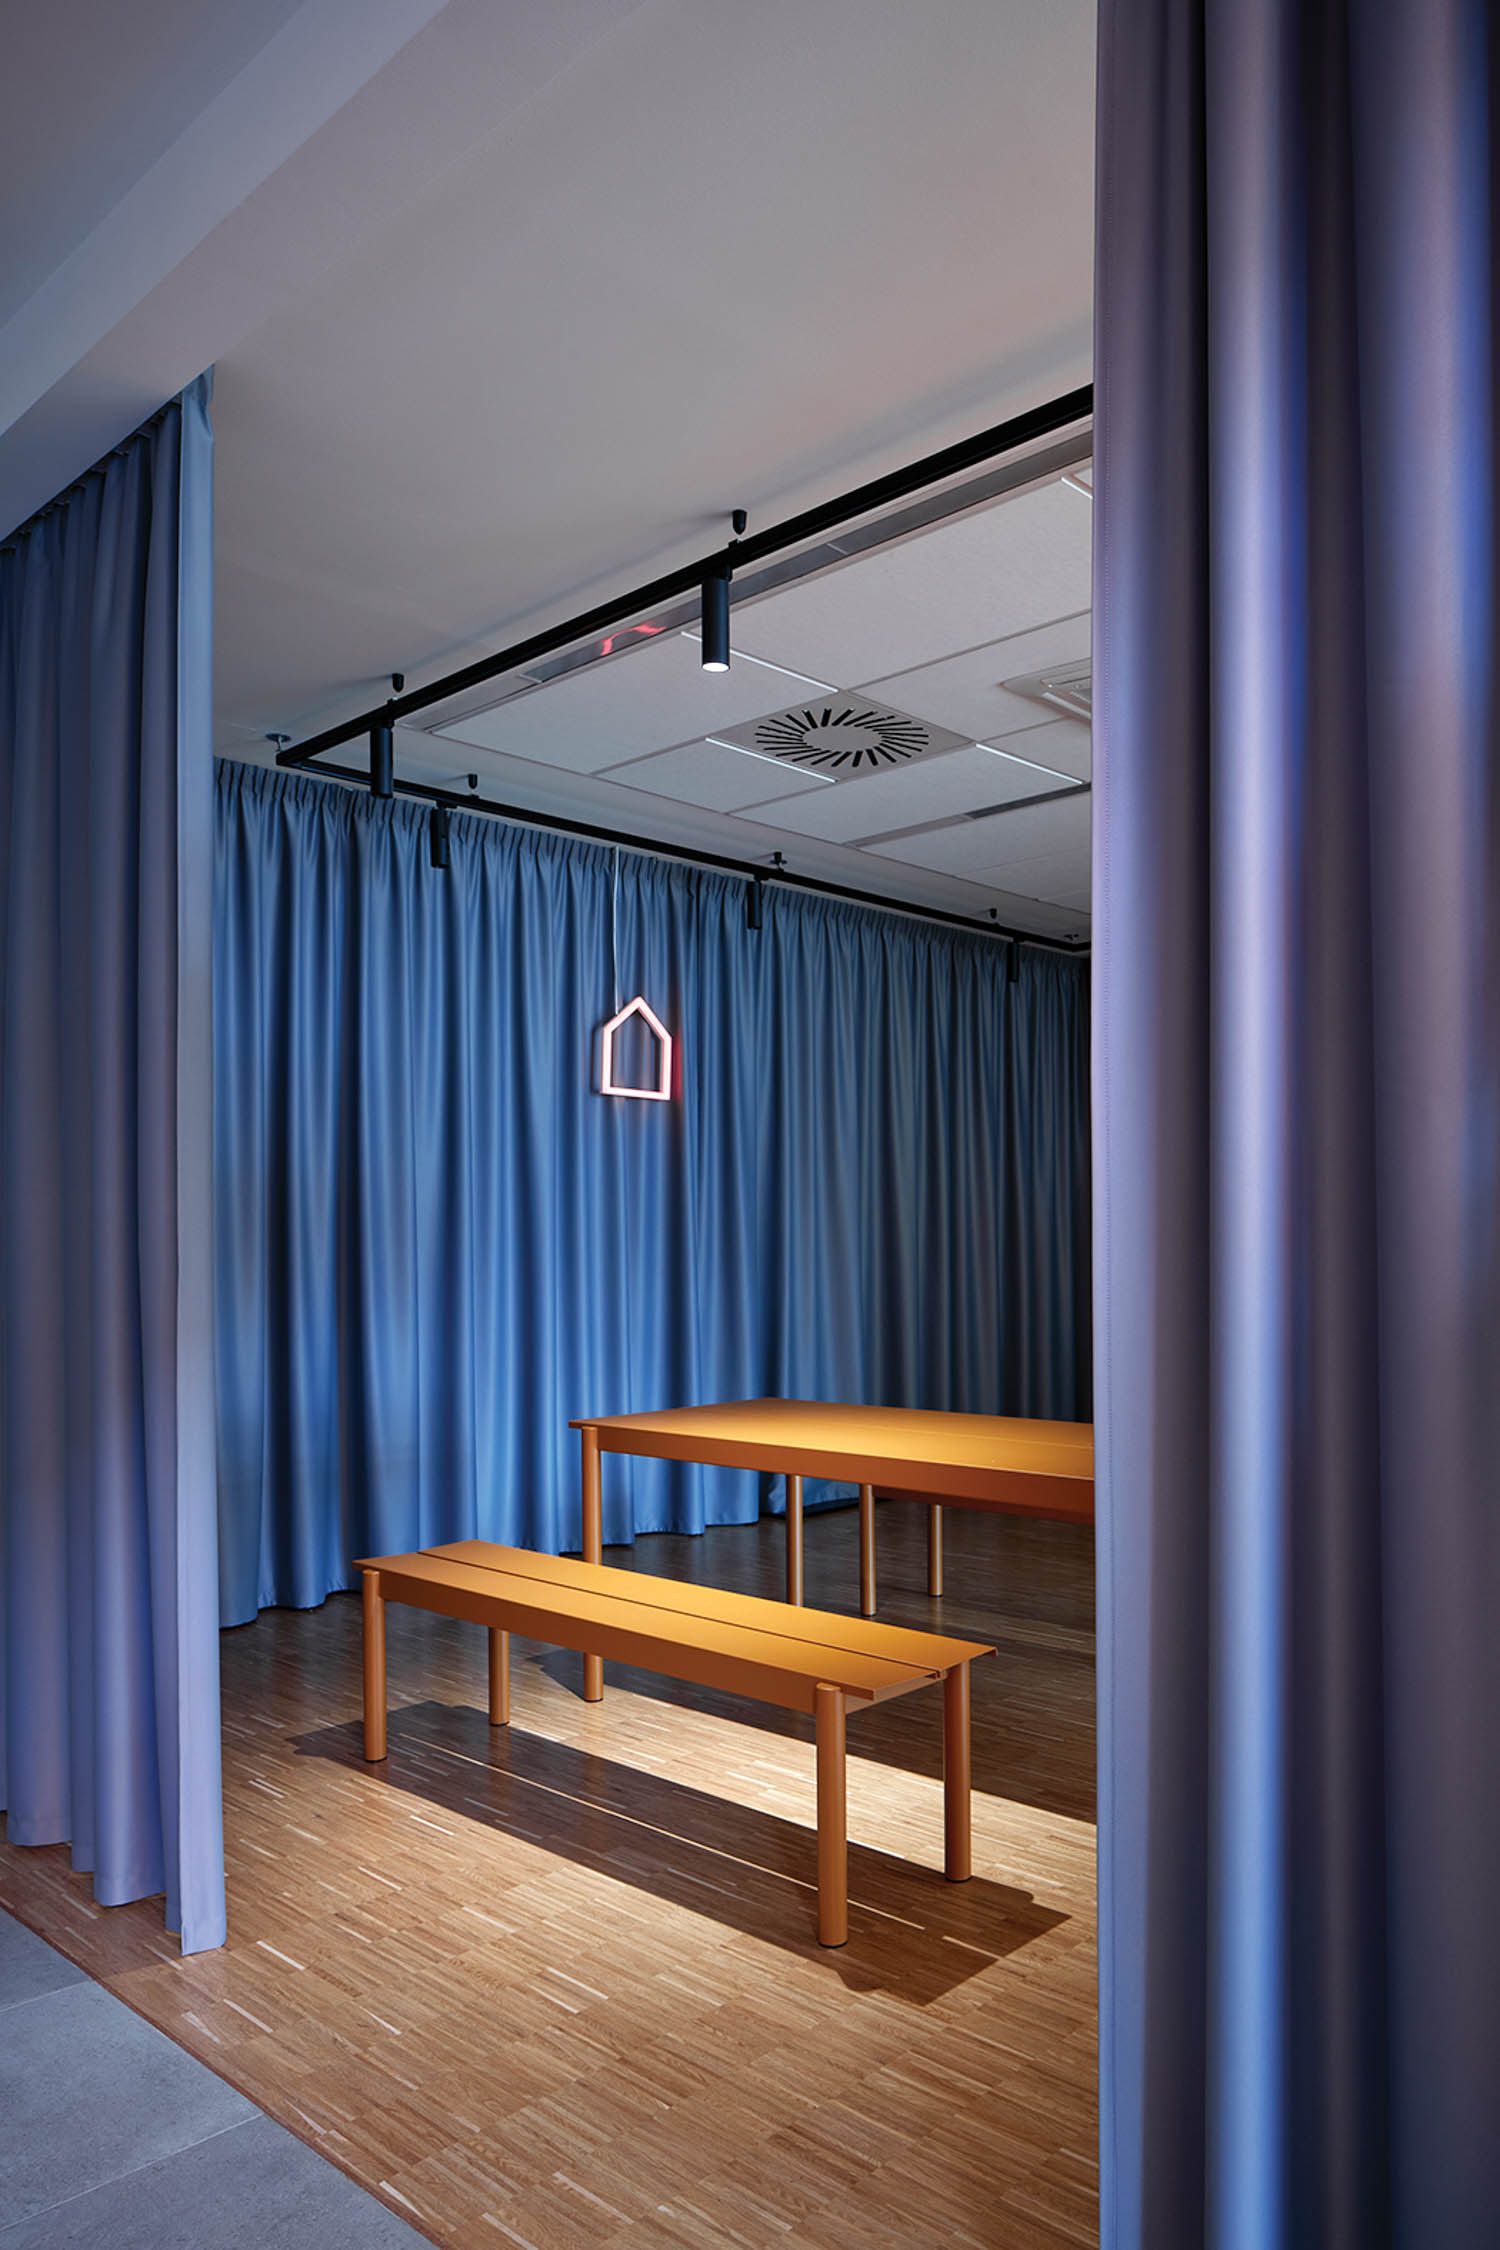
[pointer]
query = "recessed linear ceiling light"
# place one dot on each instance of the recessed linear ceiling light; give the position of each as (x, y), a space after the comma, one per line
(1053, 773)
(766, 757)
(804, 678)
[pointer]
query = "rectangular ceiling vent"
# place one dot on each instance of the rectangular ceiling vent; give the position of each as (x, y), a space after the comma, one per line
(1064, 687)
(842, 738)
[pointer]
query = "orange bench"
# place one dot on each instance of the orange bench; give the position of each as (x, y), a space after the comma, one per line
(801, 1659)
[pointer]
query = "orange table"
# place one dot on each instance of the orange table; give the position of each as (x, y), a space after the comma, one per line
(971, 1460)
(812, 1662)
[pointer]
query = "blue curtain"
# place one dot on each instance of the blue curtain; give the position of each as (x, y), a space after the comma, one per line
(109, 1738)
(1297, 1124)
(436, 1243)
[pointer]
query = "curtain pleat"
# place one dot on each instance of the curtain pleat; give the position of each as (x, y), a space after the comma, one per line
(1297, 1130)
(437, 1243)
(110, 1736)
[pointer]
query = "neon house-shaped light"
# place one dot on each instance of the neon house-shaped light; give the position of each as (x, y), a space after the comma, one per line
(609, 1084)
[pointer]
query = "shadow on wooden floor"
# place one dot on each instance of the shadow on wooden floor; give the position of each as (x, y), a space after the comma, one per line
(910, 1932)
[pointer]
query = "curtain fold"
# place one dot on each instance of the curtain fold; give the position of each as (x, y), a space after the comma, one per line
(108, 1617)
(437, 1243)
(1297, 1123)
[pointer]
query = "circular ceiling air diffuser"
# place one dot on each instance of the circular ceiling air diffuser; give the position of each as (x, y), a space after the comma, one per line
(849, 735)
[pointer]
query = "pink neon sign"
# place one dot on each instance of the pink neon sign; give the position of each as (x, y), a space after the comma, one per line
(662, 1090)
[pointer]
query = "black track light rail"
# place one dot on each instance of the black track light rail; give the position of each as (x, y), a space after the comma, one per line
(865, 499)
(378, 723)
(756, 875)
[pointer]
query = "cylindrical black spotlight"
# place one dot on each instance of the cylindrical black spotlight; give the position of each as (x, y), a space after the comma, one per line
(438, 825)
(754, 893)
(382, 781)
(716, 619)
(1013, 963)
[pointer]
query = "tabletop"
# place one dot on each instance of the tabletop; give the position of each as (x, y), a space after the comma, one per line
(1000, 1460)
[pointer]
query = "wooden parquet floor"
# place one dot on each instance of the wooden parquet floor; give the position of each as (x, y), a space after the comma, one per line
(560, 1988)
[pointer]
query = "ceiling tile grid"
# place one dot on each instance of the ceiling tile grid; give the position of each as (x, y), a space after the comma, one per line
(715, 775)
(976, 579)
(996, 843)
(966, 691)
(936, 787)
(964, 781)
(652, 697)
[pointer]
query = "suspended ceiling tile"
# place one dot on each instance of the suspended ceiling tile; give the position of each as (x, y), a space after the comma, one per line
(981, 578)
(1063, 746)
(961, 782)
(717, 776)
(653, 697)
(1064, 825)
(1062, 878)
(964, 691)
(997, 843)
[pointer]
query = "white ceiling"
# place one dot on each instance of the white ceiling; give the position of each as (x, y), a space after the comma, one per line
(509, 306)
(91, 96)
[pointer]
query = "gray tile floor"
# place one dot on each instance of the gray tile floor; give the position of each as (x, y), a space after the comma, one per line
(111, 2135)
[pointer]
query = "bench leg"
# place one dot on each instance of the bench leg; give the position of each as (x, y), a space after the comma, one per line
(833, 1837)
(499, 1677)
(935, 1550)
(794, 1540)
(593, 1550)
(374, 1667)
(957, 1865)
(867, 1550)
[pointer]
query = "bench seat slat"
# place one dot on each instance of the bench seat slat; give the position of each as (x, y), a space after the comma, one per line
(679, 1598)
(704, 1651)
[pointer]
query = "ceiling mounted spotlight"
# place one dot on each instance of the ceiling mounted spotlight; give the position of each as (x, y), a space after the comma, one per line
(716, 620)
(716, 603)
(382, 781)
(382, 747)
(439, 822)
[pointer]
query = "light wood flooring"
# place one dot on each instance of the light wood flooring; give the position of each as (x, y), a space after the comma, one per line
(560, 1988)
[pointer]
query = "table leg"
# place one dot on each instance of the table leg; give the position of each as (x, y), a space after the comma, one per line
(593, 1550)
(499, 1677)
(794, 1540)
(867, 1550)
(935, 1550)
(833, 1836)
(374, 1667)
(957, 1864)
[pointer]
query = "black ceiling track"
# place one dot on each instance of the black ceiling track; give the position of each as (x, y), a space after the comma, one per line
(750, 871)
(1011, 436)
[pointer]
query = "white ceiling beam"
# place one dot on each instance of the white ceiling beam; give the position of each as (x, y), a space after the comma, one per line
(344, 115)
